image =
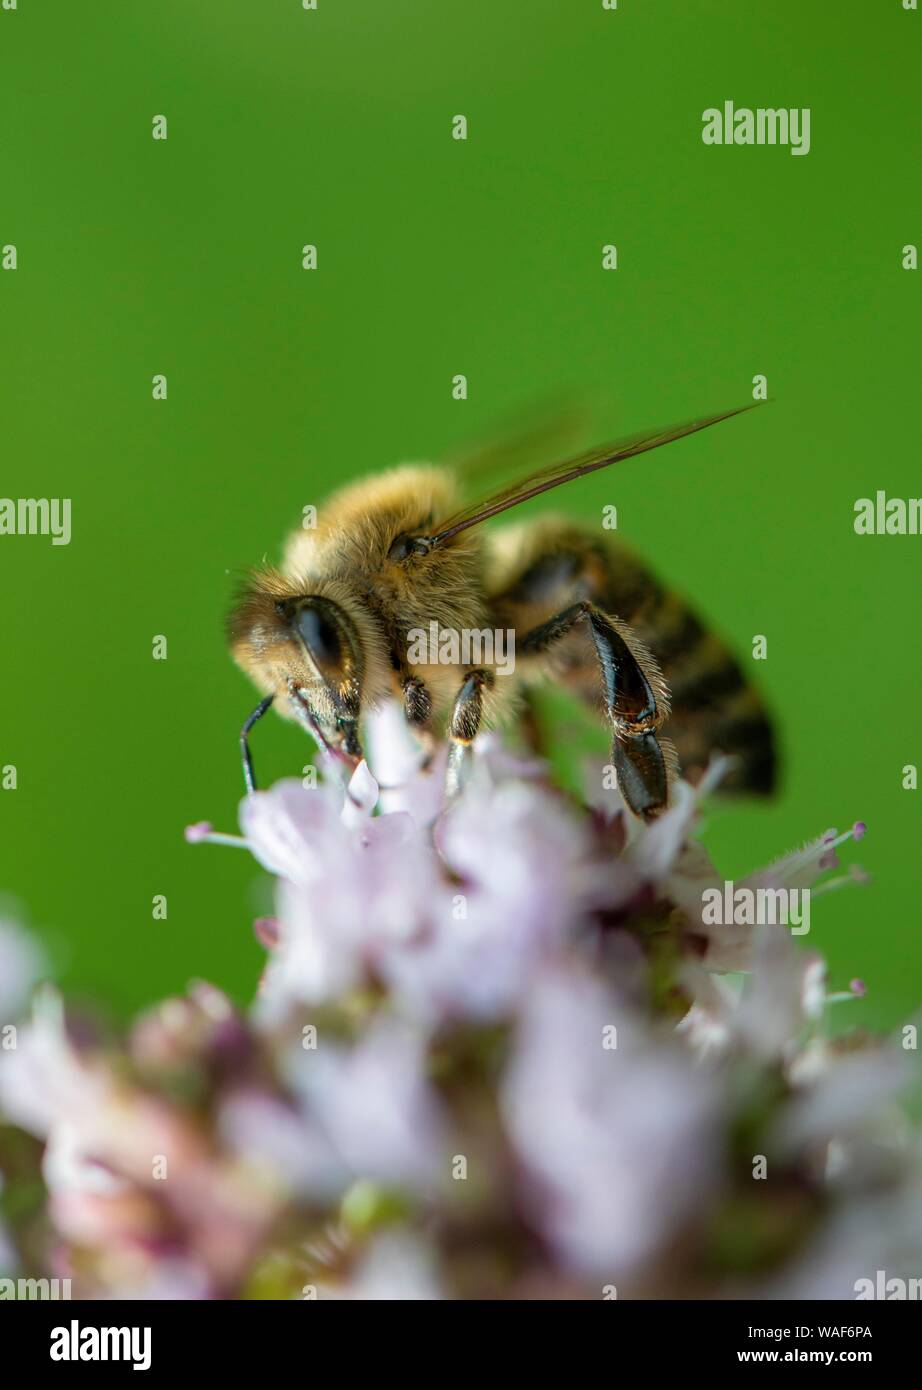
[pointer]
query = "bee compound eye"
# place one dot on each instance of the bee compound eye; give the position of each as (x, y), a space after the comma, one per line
(404, 546)
(400, 549)
(320, 635)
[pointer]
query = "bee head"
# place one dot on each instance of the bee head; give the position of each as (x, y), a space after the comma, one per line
(304, 649)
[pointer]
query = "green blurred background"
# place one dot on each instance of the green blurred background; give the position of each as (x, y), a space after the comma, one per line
(333, 127)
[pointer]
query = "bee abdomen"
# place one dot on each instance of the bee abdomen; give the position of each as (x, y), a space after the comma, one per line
(750, 739)
(714, 706)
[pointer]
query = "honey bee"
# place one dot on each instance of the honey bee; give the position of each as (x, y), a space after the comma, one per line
(328, 636)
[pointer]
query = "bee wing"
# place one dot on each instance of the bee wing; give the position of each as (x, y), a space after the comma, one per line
(556, 474)
(528, 439)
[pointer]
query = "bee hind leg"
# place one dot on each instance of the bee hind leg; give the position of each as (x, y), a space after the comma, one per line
(636, 699)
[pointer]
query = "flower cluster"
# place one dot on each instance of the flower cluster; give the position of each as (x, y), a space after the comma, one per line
(498, 1051)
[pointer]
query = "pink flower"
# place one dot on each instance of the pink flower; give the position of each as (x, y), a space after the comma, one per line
(784, 993)
(454, 924)
(616, 1129)
(365, 1111)
(728, 946)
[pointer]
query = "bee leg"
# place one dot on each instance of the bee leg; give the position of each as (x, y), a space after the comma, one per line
(417, 702)
(636, 700)
(248, 774)
(417, 710)
(463, 725)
